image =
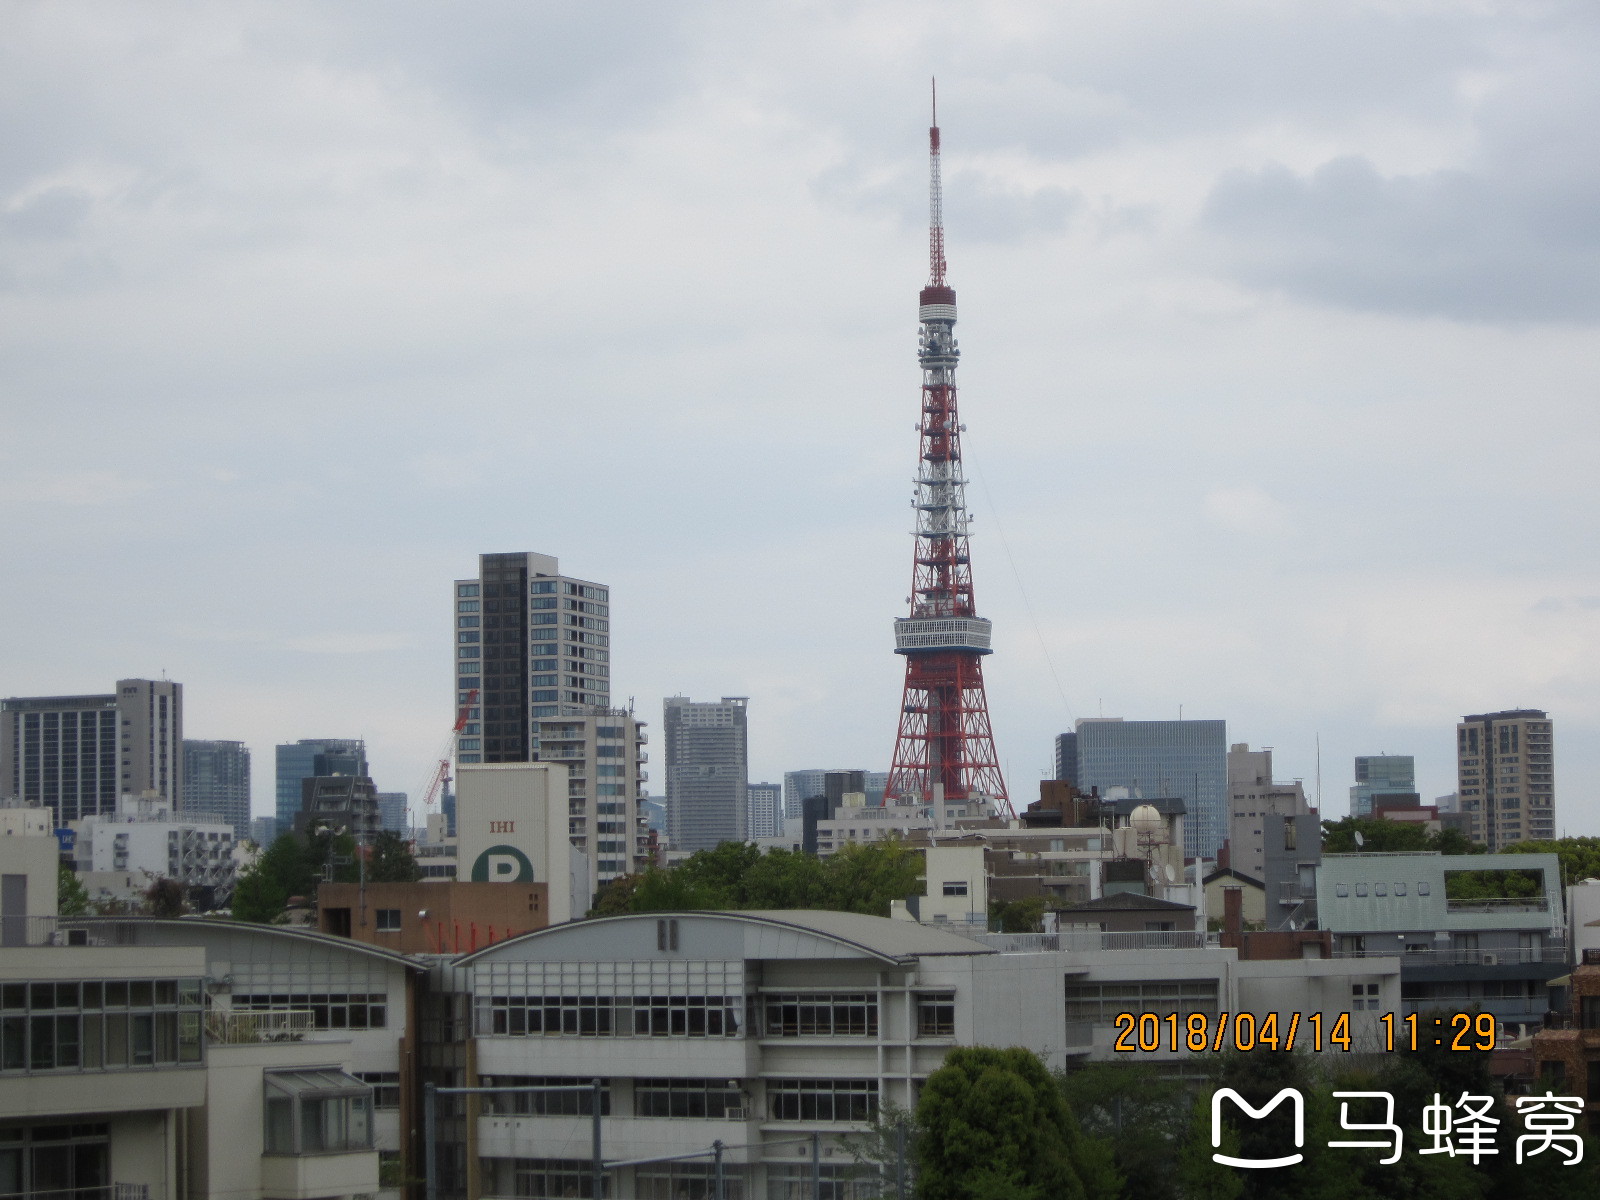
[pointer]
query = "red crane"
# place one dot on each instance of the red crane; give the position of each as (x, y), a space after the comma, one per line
(944, 742)
(441, 774)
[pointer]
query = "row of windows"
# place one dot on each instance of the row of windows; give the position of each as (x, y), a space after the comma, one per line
(328, 1010)
(822, 1099)
(94, 995)
(820, 1015)
(612, 1016)
(1381, 889)
(110, 1041)
(1099, 1003)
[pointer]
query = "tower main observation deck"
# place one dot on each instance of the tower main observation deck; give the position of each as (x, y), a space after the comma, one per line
(945, 745)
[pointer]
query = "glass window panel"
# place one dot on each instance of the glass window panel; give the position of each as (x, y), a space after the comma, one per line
(116, 1039)
(142, 1039)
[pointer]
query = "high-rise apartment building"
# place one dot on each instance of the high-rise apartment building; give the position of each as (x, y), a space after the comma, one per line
(1254, 799)
(708, 775)
(1505, 767)
(307, 759)
(528, 639)
(765, 818)
(78, 754)
(604, 752)
(1187, 760)
(216, 780)
(533, 670)
(1381, 775)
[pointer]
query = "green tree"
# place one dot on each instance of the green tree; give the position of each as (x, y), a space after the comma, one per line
(1142, 1117)
(330, 854)
(391, 861)
(1018, 916)
(1379, 836)
(284, 869)
(995, 1126)
(862, 878)
(1198, 1175)
(72, 898)
(866, 878)
(1492, 885)
(615, 896)
(1579, 856)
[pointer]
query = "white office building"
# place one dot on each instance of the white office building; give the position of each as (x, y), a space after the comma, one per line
(766, 1030)
(119, 855)
(77, 754)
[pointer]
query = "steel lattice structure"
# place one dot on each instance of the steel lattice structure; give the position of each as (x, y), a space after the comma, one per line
(945, 737)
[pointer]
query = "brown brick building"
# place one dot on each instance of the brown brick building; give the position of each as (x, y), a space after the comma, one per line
(1567, 1052)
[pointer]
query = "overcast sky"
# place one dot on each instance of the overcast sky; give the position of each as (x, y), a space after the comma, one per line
(1279, 331)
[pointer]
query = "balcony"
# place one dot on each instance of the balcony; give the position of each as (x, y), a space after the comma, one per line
(1503, 957)
(307, 1177)
(231, 1027)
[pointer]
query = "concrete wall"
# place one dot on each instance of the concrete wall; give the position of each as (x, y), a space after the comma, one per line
(511, 827)
(458, 916)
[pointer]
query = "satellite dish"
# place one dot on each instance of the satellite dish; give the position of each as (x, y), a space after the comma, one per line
(1171, 874)
(1360, 841)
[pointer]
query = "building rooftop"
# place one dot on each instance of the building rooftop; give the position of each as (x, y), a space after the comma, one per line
(782, 933)
(1127, 901)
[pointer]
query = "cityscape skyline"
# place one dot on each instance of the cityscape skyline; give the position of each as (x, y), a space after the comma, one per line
(1220, 398)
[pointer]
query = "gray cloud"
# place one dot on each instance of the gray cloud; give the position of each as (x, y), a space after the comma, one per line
(1510, 234)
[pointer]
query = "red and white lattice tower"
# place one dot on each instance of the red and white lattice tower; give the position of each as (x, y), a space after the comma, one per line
(945, 740)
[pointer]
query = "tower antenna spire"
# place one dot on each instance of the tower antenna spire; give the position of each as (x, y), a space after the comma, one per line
(935, 200)
(944, 751)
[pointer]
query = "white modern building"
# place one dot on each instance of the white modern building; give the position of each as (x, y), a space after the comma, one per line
(527, 640)
(765, 1030)
(191, 1060)
(119, 855)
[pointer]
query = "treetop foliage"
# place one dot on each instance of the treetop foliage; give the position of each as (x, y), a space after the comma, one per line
(1379, 836)
(861, 878)
(995, 1124)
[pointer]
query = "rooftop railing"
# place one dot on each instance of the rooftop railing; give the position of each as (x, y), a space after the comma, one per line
(1087, 941)
(1493, 957)
(236, 1027)
(1498, 904)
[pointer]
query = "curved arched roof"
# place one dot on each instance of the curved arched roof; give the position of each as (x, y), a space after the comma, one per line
(179, 931)
(768, 934)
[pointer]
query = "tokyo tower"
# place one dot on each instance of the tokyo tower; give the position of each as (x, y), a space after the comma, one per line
(945, 744)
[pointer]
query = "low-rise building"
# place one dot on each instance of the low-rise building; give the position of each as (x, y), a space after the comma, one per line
(766, 1030)
(1469, 929)
(1566, 1053)
(445, 917)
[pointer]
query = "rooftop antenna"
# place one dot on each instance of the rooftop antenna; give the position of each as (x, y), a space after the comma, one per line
(1319, 772)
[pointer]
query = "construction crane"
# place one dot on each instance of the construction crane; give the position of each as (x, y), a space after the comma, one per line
(441, 774)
